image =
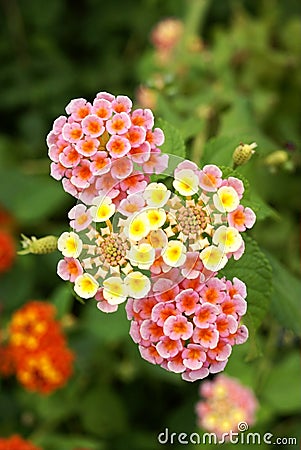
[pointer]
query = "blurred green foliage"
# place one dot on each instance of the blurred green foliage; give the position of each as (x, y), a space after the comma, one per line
(242, 85)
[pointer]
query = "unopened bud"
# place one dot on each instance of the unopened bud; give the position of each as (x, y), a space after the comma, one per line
(243, 153)
(47, 244)
(277, 158)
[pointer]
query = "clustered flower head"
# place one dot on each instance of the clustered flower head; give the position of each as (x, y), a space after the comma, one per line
(104, 146)
(154, 236)
(16, 442)
(166, 34)
(191, 327)
(225, 404)
(37, 349)
(157, 243)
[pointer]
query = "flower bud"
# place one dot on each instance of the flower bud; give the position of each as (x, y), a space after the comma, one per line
(277, 158)
(47, 244)
(243, 153)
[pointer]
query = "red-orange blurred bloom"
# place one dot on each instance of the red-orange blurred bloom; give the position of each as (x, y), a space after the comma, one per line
(43, 362)
(7, 251)
(46, 369)
(17, 443)
(7, 364)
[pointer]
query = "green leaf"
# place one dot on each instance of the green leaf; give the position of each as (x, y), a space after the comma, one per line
(255, 271)
(174, 143)
(31, 197)
(219, 150)
(260, 207)
(286, 296)
(283, 389)
(62, 298)
(103, 412)
(105, 326)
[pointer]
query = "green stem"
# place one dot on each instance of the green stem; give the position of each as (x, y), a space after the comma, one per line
(196, 11)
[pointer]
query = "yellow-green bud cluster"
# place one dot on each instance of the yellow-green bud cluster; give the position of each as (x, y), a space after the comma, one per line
(243, 153)
(46, 244)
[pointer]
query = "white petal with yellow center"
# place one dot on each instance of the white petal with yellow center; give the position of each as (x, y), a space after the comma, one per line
(156, 218)
(186, 182)
(138, 227)
(174, 254)
(213, 258)
(156, 195)
(226, 199)
(142, 256)
(86, 286)
(114, 290)
(102, 209)
(228, 238)
(137, 284)
(70, 244)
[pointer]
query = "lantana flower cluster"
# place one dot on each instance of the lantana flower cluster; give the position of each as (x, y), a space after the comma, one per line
(37, 351)
(226, 406)
(157, 243)
(191, 327)
(103, 144)
(16, 442)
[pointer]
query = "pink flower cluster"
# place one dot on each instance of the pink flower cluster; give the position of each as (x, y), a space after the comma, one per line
(226, 404)
(192, 327)
(94, 149)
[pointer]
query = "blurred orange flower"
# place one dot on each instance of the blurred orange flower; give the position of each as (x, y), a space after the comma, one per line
(7, 251)
(17, 443)
(43, 362)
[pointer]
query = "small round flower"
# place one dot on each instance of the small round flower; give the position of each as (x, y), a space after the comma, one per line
(102, 108)
(72, 132)
(142, 256)
(132, 204)
(210, 178)
(118, 146)
(177, 327)
(156, 195)
(85, 286)
(102, 209)
(241, 218)
(137, 284)
(114, 291)
(119, 124)
(80, 217)
(139, 227)
(226, 199)
(174, 254)
(88, 146)
(156, 218)
(228, 238)
(69, 269)
(186, 182)
(93, 126)
(70, 244)
(213, 258)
